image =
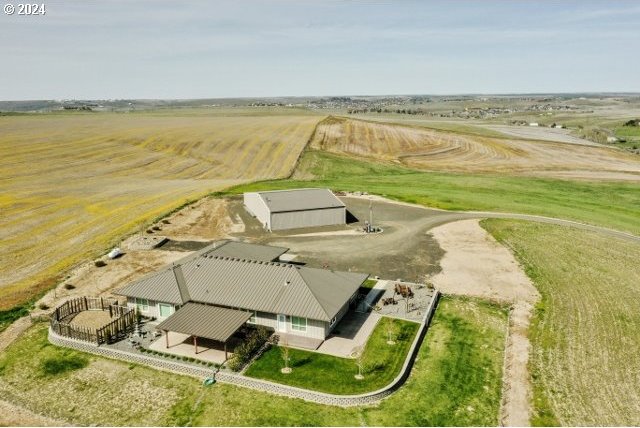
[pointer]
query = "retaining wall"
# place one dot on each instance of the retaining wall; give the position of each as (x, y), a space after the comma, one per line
(258, 384)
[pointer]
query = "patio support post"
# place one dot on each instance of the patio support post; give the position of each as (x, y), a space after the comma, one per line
(225, 350)
(166, 336)
(195, 343)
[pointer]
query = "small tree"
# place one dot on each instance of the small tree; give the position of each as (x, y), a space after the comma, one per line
(285, 351)
(358, 355)
(391, 332)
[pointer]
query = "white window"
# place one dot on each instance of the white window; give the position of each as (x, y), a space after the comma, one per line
(298, 324)
(142, 305)
(165, 310)
(252, 320)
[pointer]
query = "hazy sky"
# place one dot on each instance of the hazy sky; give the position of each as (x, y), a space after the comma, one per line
(191, 49)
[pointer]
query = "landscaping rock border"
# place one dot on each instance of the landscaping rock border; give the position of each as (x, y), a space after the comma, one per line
(258, 384)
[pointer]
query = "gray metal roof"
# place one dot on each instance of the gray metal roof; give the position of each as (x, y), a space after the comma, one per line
(211, 322)
(244, 250)
(161, 286)
(300, 199)
(254, 285)
(270, 287)
(168, 284)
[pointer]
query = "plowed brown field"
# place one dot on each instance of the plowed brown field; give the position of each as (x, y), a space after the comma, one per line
(73, 184)
(429, 149)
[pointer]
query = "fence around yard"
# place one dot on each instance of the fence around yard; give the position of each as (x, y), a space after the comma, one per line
(123, 320)
(259, 384)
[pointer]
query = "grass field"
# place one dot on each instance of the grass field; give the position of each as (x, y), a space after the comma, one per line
(611, 204)
(434, 150)
(73, 184)
(456, 381)
(586, 329)
(326, 373)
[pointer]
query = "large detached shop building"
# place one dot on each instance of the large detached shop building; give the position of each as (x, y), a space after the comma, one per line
(298, 208)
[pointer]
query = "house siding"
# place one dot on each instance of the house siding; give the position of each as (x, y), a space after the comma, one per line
(315, 328)
(257, 208)
(308, 218)
(154, 308)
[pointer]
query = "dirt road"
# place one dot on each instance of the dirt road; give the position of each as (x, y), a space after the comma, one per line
(475, 264)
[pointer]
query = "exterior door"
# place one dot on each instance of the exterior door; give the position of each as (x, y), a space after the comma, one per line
(164, 310)
(282, 323)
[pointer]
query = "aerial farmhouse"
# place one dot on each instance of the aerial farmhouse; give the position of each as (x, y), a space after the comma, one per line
(215, 291)
(297, 208)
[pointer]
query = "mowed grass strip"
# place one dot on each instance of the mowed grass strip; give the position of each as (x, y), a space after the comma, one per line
(610, 204)
(586, 329)
(456, 380)
(327, 373)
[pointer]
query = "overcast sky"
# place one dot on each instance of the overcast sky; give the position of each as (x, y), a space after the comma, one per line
(188, 49)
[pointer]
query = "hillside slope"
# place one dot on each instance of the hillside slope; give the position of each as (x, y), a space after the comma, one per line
(434, 150)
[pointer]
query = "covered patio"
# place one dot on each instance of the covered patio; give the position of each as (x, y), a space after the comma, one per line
(201, 331)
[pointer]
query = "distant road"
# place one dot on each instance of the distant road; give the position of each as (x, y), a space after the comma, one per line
(540, 133)
(438, 217)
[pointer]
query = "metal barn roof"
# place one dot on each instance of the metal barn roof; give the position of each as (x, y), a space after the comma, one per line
(210, 322)
(300, 200)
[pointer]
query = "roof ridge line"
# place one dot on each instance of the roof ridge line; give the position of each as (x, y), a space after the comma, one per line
(181, 282)
(304, 281)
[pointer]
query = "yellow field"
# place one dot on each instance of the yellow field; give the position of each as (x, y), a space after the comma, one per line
(430, 149)
(72, 184)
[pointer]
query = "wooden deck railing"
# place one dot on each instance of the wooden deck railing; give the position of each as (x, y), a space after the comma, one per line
(122, 324)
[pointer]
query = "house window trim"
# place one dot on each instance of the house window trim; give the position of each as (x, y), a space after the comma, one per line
(142, 307)
(297, 327)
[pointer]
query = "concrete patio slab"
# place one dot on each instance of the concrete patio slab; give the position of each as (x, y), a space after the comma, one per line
(295, 341)
(351, 332)
(182, 345)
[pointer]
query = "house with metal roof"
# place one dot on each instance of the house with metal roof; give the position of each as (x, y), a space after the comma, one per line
(215, 291)
(295, 208)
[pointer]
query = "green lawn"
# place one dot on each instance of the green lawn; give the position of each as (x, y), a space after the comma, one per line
(326, 373)
(456, 380)
(586, 329)
(631, 135)
(369, 283)
(84, 389)
(610, 204)
(628, 131)
(457, 377)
